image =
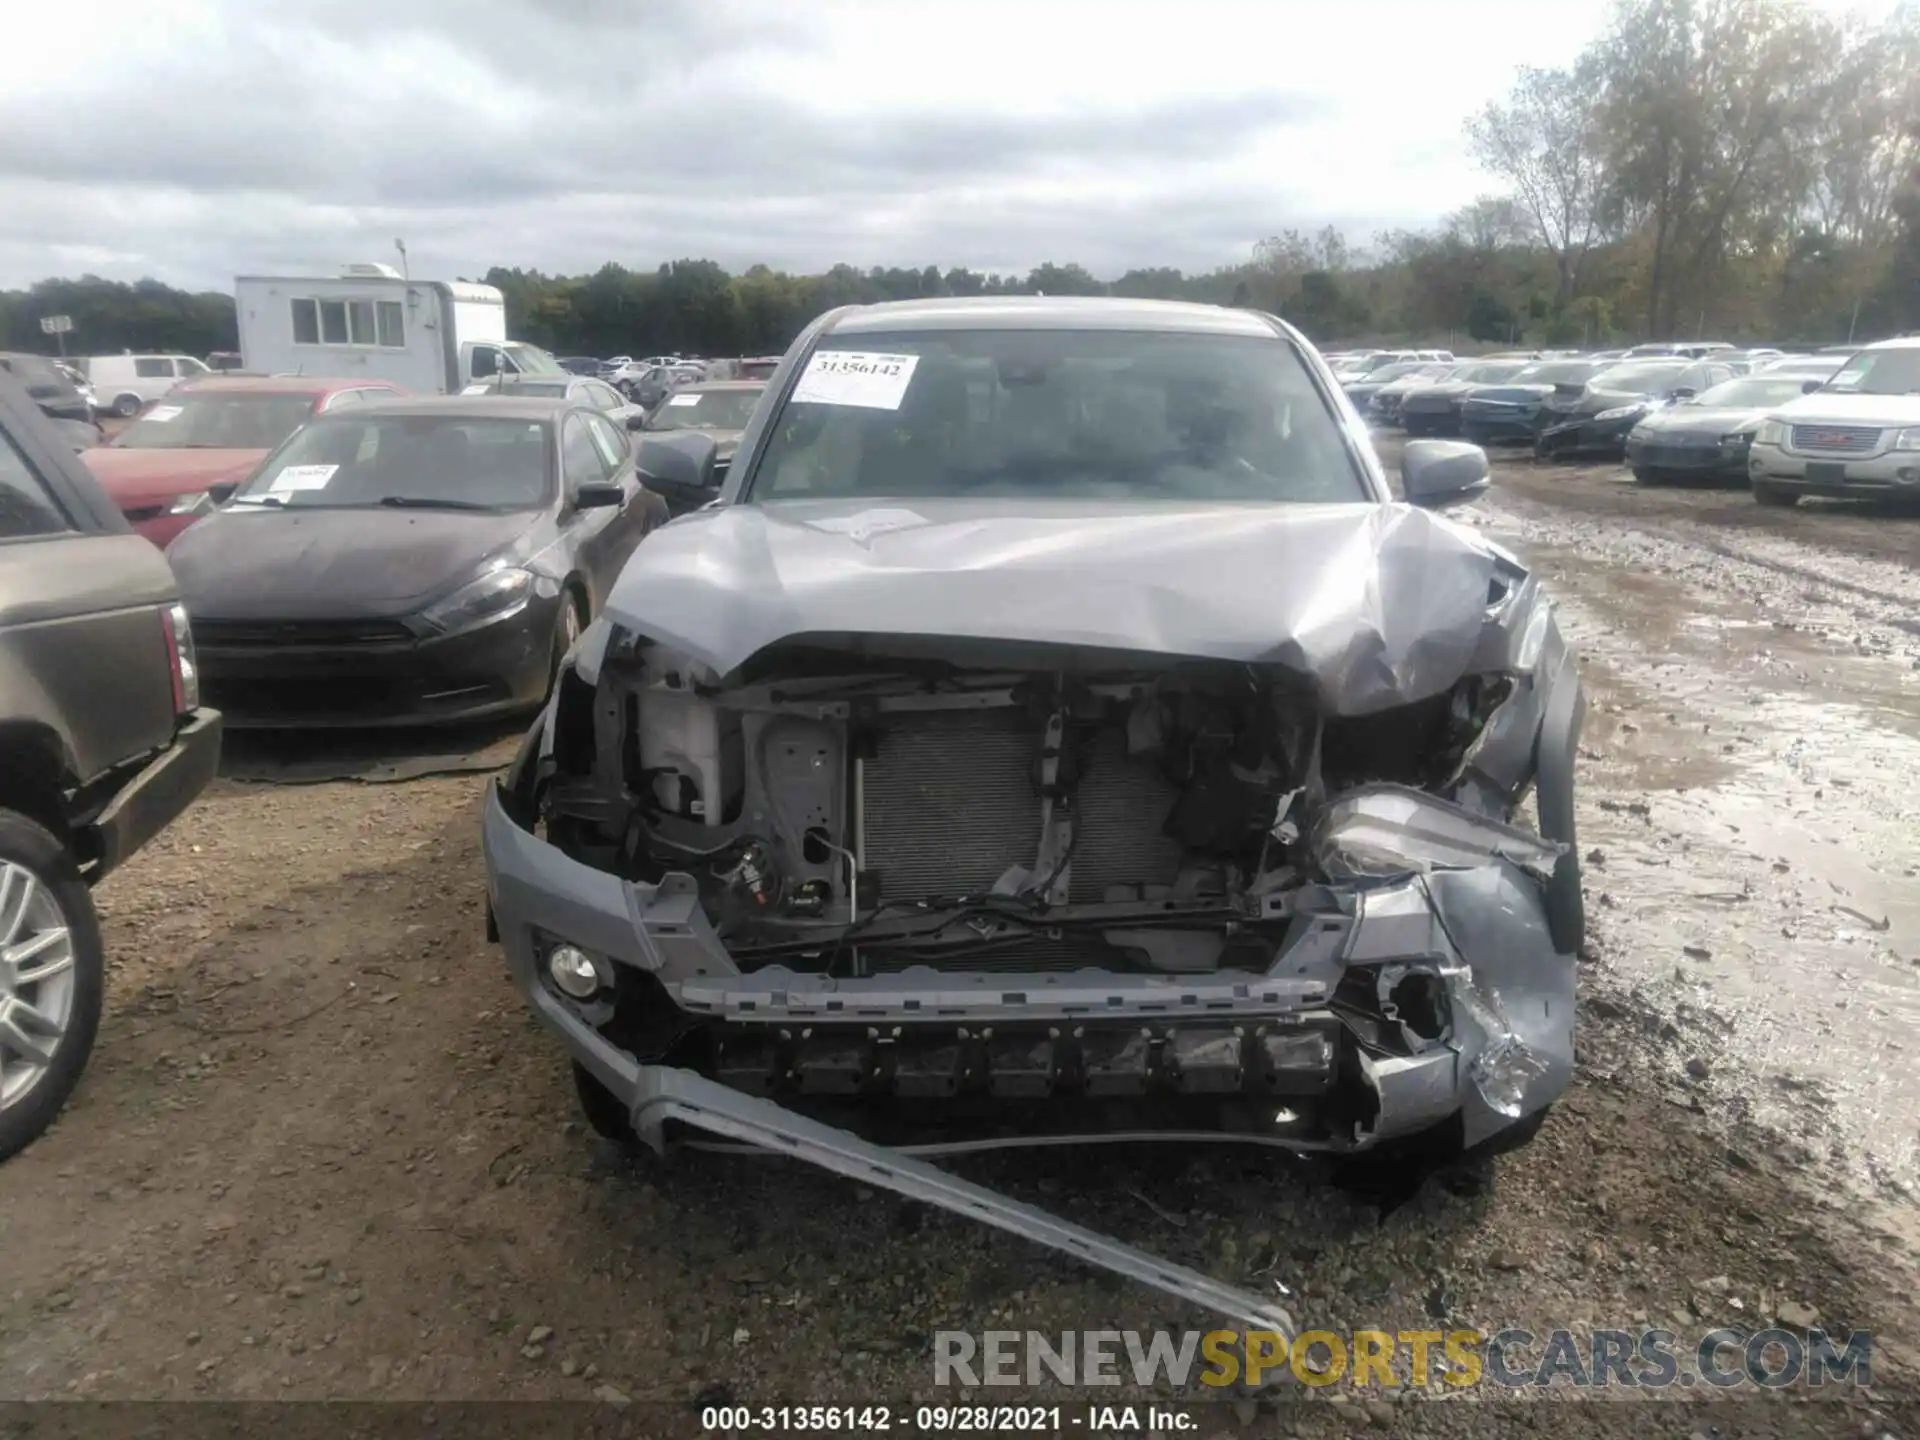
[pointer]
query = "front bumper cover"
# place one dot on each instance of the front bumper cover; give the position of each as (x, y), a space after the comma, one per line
(1480, 921)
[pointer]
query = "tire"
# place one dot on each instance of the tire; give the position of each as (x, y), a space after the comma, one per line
(126, 406)
(1774, 495)
(33, 1091)
(604, 1113)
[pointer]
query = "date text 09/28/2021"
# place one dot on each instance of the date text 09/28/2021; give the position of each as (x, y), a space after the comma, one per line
(950, 1419)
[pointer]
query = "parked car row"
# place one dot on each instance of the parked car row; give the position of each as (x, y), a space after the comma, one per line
(352, 554)
(1842, 422)
(337, 552)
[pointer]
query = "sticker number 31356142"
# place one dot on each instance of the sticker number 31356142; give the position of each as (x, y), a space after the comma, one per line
(855, 377)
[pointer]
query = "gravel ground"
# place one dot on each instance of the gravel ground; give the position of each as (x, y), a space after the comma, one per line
(323, 1152)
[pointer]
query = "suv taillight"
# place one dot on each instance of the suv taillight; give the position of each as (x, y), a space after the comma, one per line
(180, 657)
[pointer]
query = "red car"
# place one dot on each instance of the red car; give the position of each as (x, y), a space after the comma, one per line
(187, 453)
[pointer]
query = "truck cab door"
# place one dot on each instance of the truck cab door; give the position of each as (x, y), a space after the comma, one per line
(483, 362)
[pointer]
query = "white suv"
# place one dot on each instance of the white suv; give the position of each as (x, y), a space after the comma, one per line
(1858, 434)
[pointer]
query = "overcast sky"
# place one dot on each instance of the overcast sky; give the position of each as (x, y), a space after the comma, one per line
(195, 139)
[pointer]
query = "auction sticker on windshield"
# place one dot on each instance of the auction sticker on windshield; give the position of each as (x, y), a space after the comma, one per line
(162, 413)
(303, 477)
(855, 377)
(684, 400)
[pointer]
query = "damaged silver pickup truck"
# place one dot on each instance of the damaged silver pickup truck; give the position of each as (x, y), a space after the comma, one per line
(1055, 731)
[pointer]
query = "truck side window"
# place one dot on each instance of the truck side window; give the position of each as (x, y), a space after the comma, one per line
(26, 506)
(486, 361)
(152, 367)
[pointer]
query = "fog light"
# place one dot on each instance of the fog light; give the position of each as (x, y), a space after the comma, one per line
(573, 971)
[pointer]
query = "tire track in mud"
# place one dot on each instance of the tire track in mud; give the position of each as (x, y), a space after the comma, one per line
(1751, 830)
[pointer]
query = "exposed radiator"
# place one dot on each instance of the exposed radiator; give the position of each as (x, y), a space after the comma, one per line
(950, 807)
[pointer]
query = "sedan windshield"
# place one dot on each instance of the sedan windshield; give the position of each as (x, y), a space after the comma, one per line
(1880, 372)
(211, 420)
(1642, 379)
(1752, 392)
(1101, 415)
(1555, 372)
(705, 410)
(1486, 374)
(1395, 371)
(455, 462)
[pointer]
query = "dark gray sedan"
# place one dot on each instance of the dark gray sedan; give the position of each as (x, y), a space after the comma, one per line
(412, 562)
(1707, 436)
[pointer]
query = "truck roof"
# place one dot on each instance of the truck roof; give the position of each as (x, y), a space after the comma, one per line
(467, 292)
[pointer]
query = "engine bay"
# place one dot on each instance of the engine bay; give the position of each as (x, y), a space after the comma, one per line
(849, 811)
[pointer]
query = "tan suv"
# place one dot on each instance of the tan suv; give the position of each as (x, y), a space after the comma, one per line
(102, 743)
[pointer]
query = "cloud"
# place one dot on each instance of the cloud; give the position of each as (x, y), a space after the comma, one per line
(196, 139)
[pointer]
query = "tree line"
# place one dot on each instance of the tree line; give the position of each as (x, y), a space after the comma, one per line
(1739, 169)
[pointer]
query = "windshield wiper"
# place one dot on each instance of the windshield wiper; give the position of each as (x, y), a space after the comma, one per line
(428, 502)
(258, 500)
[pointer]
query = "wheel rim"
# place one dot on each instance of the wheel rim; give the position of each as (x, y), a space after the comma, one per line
(36, 981)
(570, 626)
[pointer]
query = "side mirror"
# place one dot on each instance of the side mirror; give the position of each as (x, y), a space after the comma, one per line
(1438, 473)
(683, 465)
(1807, 387)
(598, 495)
(1684, 392)
(637, 422)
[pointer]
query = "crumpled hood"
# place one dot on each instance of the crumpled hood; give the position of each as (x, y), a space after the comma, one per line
(251, 562)
(1509, 394)
(1380, 604)
(1451, 389)
(1703, 420)
(135, 478)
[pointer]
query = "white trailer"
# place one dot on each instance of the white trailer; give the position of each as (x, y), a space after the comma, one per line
(371, 322)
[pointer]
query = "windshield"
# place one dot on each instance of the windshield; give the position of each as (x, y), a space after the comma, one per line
(1103, 415)
(1554, 372)
(1637, 379)
(705, 410)
(532, 360)
(38, 377)
(1750, 393)
(210, 420)
(1395, 371)
(1880, 372)
(1487, 374)
(536, 389)
(363, 460)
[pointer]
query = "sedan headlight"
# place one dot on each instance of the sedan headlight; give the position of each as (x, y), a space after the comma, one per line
(1621, 413)
(1907, 439)
(1771, 432)
(1737, 439)
(494, 596)
(198, 503)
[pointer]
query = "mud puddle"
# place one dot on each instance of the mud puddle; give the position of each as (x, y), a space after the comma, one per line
(1750, 824)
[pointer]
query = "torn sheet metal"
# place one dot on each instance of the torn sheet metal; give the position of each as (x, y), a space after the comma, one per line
(1379, 830)
(669, 1093)
(1379, 604)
